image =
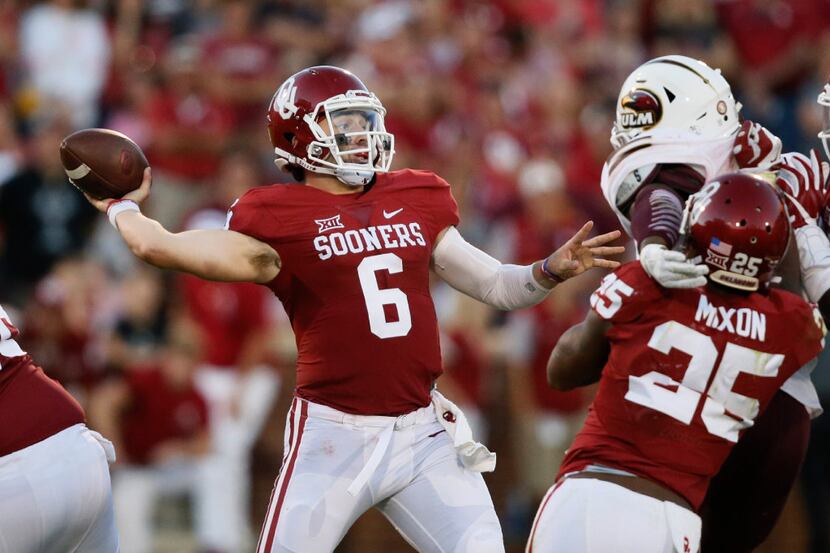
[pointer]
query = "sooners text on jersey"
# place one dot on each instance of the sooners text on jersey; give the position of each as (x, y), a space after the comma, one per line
(354, 281)
(688, 371)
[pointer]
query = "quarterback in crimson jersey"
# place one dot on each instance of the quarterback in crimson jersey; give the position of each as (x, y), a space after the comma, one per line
(363, 313)
(683, 373)
(54, 478)
(349, 254)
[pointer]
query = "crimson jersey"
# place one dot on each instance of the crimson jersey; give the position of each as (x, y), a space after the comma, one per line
(354, 281)
(32, 405)
(159, 412)
(688, 371)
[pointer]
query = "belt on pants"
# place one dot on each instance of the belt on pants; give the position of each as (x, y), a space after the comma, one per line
(388, 424)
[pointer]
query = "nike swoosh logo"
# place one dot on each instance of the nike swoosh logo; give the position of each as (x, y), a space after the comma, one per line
(390, 214)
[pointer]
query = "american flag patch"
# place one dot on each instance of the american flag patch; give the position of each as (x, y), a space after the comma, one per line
(720, 247)
(329, 224)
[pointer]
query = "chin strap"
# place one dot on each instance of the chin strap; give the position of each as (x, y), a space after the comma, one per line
(348, 176)
(354, 177)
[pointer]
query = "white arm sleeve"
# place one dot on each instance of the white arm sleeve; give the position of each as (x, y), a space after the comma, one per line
(814, 257)
(473, 272)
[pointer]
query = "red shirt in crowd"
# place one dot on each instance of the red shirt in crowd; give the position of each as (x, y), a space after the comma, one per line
(764, 31)
(547, 330)
(244, 60)
(196, 119)
(159, 412)
(227, 314)
(466, 366)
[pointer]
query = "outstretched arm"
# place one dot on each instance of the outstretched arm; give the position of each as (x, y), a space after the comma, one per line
(804, 181)
(580, 354)
(504, 286)
(210, 254)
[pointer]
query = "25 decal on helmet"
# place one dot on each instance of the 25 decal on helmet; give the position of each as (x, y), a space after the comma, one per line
(738, 225)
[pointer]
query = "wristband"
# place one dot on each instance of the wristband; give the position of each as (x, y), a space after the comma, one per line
(547, 272)
(116, 207)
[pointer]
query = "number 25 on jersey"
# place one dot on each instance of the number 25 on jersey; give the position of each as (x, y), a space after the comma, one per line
(725, 412)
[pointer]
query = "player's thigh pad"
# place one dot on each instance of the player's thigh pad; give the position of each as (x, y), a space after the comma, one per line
(446, 508)
(592, 516)
(56, 497)
(310, 510)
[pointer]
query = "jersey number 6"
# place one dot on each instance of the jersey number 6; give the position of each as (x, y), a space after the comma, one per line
(376, 297)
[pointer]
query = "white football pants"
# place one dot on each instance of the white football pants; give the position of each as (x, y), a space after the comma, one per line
(581, 515)
(337, 466)
(55, 496)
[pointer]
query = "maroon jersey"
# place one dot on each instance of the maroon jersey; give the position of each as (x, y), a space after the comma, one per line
(354, 281)
(159, 412)
(32, 405)
(688, 371)
(227, 313)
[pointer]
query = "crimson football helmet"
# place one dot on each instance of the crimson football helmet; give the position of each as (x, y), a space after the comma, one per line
(738, 225)
(324, 119)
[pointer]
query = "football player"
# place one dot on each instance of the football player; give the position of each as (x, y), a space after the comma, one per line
(55, 493)
(806, 181)
(739, 513)
(682, 373)
(676, 127)
(349, 253)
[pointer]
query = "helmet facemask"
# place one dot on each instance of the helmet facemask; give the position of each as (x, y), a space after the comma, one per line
(350, 138)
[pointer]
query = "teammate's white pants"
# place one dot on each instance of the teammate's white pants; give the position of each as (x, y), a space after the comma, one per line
(55, 496)
(136, 491)
(581, 515)
(223, 487)
(416, 481)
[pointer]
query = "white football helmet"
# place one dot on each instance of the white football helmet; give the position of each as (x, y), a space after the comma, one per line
(677, 94)
(824, 102)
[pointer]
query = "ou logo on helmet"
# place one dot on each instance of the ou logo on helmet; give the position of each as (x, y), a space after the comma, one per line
(283, 102)
(702, 199)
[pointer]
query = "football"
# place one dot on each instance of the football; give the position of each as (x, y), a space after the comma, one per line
(102, 163)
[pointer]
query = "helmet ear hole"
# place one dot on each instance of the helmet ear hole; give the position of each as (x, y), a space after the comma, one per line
(742, 223)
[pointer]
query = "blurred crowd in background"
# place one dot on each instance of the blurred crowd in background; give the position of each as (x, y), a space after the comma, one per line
(511, 101)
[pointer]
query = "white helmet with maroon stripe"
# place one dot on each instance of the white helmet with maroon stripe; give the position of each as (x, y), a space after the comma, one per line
(677, 94)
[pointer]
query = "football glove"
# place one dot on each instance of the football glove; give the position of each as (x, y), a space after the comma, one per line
(670, 268)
